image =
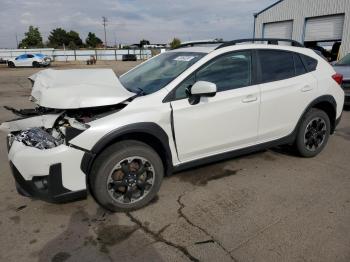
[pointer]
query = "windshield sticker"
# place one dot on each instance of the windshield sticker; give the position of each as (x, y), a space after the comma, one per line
(184, 58)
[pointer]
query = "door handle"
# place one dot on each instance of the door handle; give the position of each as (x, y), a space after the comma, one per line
(249, 98)
(306, 88)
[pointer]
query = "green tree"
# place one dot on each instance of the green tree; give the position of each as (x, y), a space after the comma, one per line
(75, 38)
(175, 43)
(92, 40)
(32, 38)
(58, 37)
(144, 42)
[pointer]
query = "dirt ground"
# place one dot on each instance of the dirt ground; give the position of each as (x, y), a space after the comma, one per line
(267, 206)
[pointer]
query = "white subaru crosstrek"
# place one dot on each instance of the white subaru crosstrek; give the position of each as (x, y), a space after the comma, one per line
(185, 107)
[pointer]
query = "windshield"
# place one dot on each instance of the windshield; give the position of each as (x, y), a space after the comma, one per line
(345, 61)
(159, 71)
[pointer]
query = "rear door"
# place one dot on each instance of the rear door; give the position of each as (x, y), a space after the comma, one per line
(286, 90)
(29, 60)
(227, 121)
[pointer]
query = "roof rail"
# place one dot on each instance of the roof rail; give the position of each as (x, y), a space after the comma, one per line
(270, 41)
(194, 43)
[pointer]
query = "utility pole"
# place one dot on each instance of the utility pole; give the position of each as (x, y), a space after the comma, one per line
(104, 23)
(16, 41)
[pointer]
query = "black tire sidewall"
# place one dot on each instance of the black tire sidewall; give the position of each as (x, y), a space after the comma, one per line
(300, 145)
(108, 159)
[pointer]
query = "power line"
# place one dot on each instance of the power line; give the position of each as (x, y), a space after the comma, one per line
(104, 23)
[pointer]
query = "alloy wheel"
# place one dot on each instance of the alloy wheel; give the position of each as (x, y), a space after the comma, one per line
(315, 134)
(130, 180)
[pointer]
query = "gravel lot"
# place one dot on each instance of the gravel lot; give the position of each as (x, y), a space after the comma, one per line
(268, 206)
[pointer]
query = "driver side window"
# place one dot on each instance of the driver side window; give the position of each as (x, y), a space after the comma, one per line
(229, 71)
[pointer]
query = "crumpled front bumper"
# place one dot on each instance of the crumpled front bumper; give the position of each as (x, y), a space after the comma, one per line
(53, 175)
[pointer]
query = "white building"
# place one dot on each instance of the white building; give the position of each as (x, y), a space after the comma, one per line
(307, 21)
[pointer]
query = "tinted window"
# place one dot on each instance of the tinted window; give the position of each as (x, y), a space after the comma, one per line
(310, 62)
(276, 65)
(299, 66)
(30, 56)
(229, 71)
(180, 91)
(21, 57)
(344, 61)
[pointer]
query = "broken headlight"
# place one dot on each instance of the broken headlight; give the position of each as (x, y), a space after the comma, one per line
(38, 138)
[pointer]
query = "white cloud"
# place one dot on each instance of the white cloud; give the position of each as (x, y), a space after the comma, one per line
(131, 20)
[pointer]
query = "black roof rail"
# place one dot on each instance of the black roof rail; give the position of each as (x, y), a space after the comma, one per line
(270, 41)
(190, 44)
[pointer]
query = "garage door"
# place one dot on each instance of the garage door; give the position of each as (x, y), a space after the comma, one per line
(326, 28)
(278, 30)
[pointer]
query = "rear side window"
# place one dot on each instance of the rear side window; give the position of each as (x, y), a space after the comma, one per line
(276, 65)
(299, 66)
(310, 62)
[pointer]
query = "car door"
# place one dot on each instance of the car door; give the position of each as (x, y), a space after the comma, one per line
(286, 91)
(21, 60)
(29, 60)
(226, 121)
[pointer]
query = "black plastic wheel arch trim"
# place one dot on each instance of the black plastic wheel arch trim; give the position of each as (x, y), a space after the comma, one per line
(148, 128)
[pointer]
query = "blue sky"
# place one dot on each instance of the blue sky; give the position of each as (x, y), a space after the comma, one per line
(131, 20)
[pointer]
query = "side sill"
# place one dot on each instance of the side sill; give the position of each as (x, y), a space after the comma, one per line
(235, 153)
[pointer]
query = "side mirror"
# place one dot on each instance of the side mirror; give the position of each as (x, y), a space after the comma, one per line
(201, 88)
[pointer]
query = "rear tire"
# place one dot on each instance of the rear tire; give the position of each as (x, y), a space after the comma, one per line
(114, 175)
(313, 133)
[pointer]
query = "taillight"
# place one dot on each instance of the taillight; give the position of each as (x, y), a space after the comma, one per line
(338, 78)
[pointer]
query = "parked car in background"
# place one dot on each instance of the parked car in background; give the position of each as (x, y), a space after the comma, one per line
(32, 60)
(129, 57)
(343, 67)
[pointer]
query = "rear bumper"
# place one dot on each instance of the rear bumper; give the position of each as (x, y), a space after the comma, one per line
(52, 175)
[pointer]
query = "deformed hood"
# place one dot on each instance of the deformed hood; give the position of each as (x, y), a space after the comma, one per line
(77, 88)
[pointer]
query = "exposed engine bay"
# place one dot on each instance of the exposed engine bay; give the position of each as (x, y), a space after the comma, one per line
(45, 128)
(66, 101)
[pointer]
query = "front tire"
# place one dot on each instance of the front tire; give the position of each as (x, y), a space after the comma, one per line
(11, 65)
(126, 176)
(36, 64)
(313, 133)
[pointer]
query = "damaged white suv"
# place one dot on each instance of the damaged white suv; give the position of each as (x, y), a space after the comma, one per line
(186, 107)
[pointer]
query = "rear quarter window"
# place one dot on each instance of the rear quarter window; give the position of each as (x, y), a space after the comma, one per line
(310, 63)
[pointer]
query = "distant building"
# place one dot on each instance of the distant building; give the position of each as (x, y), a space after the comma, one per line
(312, 22)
